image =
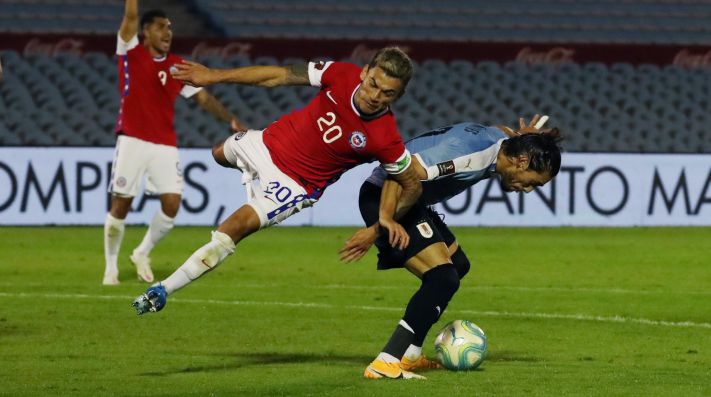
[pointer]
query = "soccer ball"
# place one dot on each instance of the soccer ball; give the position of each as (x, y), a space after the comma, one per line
(461, 345)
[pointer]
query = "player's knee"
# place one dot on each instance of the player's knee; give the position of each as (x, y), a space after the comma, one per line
(444, 278)
(170, 204)
(461, 262)
(170, 210)
(120, 206)
(218, 153)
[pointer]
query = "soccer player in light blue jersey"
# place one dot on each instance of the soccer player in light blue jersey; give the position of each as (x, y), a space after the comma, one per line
(448, 160)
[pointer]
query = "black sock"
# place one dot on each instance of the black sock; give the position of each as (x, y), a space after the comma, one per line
(399, 342)
(438, 286)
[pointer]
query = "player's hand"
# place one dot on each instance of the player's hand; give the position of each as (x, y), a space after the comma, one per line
(193, 73)
(535, 126)
(359, 244)
(397, 236)
(235, 126)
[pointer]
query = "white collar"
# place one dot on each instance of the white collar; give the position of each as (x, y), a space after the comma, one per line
(364, 115)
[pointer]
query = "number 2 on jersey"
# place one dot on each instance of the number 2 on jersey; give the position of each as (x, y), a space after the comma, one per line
(333, 132)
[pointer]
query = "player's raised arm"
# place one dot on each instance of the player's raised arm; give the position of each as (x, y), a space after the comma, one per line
(129, 24)
(196, 74)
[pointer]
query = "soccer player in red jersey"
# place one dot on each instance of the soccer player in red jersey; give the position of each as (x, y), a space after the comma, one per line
(349, 122)
(146, 143)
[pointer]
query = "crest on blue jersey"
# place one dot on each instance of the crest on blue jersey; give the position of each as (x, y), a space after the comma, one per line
(357, 140)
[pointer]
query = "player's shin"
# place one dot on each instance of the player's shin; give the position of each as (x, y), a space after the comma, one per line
(401, 338)
(160, 226)
(438, 286)
(206, 258)
(113, 235)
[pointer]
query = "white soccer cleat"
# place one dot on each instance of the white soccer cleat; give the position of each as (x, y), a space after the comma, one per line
(110, 279)
(143, 266)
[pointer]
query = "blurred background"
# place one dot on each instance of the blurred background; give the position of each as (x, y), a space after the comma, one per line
(626, 81)
(614, 75)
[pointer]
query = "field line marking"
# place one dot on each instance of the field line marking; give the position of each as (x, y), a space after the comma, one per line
(484, 313)
(474, 287)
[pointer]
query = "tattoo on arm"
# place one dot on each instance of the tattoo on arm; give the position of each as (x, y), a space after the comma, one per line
(297, 74)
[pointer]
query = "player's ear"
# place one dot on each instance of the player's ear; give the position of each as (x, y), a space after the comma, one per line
(364, 72)
(522, 162)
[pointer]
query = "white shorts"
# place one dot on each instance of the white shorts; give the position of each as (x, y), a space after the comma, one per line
(277, 196)
(134, 158)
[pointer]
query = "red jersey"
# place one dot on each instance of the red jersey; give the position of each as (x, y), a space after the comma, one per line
(148, 93)
(316, 144)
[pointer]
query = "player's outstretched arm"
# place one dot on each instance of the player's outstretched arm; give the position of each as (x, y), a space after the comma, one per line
(196, 74)
(129, 24)
(358, 244)
(389, 199)
(213, 106)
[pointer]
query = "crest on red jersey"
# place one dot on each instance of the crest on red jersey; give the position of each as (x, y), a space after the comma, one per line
(357, 140)
(319, 65)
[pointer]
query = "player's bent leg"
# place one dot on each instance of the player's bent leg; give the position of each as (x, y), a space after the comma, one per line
(205, 259)
(161, 224)
(218, 154)
(439, 283)
(114, 227)
(240, 224)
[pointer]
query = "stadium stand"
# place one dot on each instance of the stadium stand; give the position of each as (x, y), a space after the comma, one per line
(530, 21)
(73, 100)
(582, 21)
(89, 16)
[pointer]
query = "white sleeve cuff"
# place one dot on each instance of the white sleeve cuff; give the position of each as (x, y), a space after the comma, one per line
(122, 47)
(400, 164)
(316, 70)
(431, 171)
(189, 91)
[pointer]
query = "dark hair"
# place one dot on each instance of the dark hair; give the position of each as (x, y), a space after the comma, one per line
(542, 149)
(148, 17)
(394, 62)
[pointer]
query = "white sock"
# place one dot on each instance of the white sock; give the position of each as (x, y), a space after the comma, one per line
(206, 258)
(160, 225)
(387, 357)
(413, 352)
(113, 235)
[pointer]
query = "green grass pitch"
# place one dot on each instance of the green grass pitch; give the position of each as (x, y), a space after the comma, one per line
(567, 311)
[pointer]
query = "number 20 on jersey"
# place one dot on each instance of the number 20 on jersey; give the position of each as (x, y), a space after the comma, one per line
(327, 125)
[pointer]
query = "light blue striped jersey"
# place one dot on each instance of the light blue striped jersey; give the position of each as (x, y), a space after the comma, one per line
(455, 157)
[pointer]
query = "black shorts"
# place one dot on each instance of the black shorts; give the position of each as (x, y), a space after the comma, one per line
(423, 225)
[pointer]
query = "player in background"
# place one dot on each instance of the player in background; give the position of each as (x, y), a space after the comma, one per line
(448, 160)
(295, 158)
(146, 143)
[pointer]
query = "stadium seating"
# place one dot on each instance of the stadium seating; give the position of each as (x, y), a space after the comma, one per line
(581, 21)
(57, 16)
(73, 100)
(586, 21)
